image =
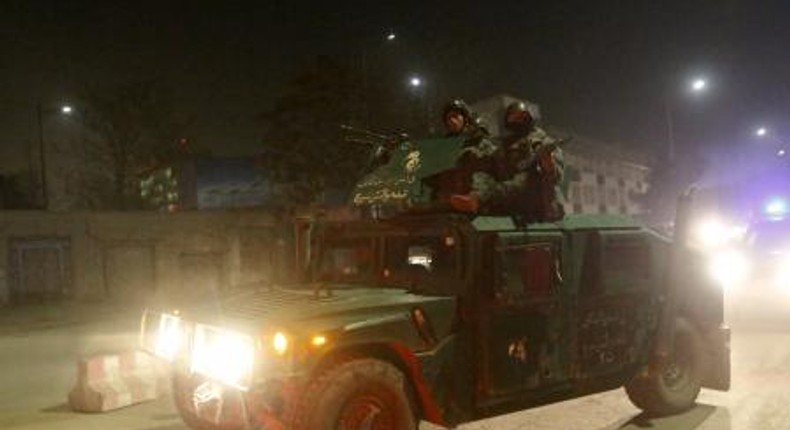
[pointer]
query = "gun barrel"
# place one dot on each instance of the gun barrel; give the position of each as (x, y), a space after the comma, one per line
(368, 141)
(368, 133)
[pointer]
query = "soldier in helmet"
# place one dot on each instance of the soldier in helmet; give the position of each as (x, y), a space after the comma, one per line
(475, 159)
(529, 170)
(459, 120)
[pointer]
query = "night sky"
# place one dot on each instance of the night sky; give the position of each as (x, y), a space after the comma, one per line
(602, 68)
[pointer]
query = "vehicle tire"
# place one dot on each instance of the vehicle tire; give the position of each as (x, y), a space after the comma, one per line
(355, 394)
(675, 387)
(184, 387)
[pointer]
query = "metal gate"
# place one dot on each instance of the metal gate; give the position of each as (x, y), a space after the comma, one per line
(39, 268)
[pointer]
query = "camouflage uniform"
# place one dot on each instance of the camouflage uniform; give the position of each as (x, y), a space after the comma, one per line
(524, 183)
(476, 159)
(527, 186)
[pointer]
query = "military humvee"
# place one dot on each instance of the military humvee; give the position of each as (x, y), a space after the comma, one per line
(448, 318)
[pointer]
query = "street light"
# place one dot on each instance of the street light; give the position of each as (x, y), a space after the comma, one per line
(765, 133)
(40, 112)
(697, 86)
(415, 82)
(359, 58)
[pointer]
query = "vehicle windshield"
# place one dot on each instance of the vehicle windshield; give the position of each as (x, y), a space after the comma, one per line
(347, 261)
(425, 263)
(429, 263)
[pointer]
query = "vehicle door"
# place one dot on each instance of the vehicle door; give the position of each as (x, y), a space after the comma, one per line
(616, 304)
(522, 319)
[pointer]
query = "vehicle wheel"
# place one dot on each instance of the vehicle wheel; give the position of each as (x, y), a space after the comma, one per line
(359, 394)
(216, 415)
(675, 387)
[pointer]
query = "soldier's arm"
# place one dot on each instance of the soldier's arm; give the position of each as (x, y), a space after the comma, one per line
(552, 166)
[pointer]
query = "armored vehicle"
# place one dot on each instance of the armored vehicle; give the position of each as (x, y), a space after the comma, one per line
(448, 318)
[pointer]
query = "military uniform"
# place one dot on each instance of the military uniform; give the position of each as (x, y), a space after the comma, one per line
(527, 182)
(527, 171)
(477, 158)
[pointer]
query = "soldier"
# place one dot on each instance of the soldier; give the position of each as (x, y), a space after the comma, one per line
(529, 170)
(476, 157)
(459, 120)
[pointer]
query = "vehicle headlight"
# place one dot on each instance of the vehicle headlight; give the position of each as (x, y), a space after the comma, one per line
(163, 334)
(280, 343)
(729, 267)
(713, 233)
(223, 355)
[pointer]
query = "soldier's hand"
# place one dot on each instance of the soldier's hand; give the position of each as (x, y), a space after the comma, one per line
(469, 203)
(547, 164)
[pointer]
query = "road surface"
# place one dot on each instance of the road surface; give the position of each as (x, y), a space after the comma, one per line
(37, 369)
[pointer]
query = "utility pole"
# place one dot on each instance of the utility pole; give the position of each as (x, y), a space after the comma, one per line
(42, 156)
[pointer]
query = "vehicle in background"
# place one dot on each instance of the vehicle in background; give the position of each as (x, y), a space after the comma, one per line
(752, 261)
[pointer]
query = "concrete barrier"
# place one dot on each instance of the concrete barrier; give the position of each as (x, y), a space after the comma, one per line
(111, 381)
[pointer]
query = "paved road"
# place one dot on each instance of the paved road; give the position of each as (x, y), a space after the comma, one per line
(37, 370)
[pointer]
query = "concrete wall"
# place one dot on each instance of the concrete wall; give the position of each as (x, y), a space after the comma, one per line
(133, 255)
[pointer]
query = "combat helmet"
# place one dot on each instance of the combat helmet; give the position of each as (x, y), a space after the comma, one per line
(520, 117)
(457, 105)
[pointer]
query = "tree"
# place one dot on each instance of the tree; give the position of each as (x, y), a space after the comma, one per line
(303, 146)
(133, 127)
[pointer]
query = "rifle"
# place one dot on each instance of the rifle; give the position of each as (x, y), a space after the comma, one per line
(542, 151)
(382, 144)
(373, 138)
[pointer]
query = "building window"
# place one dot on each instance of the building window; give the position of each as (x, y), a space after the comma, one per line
(576, 195)
(612, 196)
(588, 195)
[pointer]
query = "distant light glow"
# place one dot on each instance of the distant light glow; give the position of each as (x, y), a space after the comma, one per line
(762, 131)
(415, 81)
(66, 110)
(776, 208)
(391, 36)
(420, 260)
(781, 153)
(699, 84)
